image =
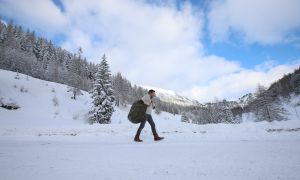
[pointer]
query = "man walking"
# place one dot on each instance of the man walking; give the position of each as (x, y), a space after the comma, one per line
(148, 100)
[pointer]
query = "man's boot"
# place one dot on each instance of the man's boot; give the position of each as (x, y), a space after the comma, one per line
(157, 138)
(137, 138)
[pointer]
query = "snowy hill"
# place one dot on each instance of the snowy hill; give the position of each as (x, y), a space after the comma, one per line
(48, 138)
(46, 104)
(171, 96)
(42, 103)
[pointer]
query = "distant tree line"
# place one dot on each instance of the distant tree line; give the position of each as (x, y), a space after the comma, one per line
(24, 52)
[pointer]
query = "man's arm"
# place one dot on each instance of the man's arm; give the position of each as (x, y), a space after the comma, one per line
(153, 104)
(146, 99)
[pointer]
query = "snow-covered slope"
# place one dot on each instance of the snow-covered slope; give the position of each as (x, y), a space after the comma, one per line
(43, 141)
(47, 104)
(42, 103)
(171, 96)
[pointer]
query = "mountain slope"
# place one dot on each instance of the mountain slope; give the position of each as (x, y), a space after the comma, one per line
(170, 96)
(42, 103)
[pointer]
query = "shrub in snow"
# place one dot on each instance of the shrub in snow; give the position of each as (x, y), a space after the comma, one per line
(17, 76)
(23, 89)
(8, 105)
(53, 90)
(75, 116)
(55, 101)
(56, 112)
(75, 92)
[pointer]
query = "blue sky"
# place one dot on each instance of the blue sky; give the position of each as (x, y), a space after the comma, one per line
(249, 55)
(198, 48)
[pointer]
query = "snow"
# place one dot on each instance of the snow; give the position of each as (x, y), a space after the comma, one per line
(3, 21)
(43, 141)
(37, 106)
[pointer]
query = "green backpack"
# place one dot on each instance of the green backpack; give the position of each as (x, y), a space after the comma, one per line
(137, 112)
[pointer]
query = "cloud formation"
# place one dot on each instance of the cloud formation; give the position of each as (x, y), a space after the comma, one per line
(151, 44)
(38, 14)
(257, 21)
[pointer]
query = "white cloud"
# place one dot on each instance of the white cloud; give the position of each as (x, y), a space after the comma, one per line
(39, 14)
(262, 21)
(151, 44)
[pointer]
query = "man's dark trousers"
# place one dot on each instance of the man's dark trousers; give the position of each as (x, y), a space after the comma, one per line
(150, 121)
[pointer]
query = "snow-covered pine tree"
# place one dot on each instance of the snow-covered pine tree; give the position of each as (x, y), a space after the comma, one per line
(296, 83)
(102, 95)
(184, 118)
(225, 109)
(267, 106)
(158, 105)
(52, 72)
(121, 87)
(3, 32)
(74, 78)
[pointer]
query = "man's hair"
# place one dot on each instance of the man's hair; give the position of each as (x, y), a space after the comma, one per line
(151, 91)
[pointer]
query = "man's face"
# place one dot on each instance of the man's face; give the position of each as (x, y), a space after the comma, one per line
(152, 95)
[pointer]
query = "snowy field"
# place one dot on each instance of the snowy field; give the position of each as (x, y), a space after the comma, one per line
(48, 140)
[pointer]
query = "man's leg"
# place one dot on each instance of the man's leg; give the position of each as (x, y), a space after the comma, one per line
(141, 127)
(152, 124)
(138, 133)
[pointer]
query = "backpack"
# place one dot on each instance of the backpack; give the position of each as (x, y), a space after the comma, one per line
(137, 112)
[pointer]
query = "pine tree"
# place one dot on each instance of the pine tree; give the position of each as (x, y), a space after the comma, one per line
(158, 105)
(3, 32)
(296, 83)
(267, 107)
(184, 118)
(226, 112)
(102, 95)
(121, 87)
(52, 71)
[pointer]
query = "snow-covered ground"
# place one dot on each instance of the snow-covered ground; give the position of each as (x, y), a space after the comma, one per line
(44, 141)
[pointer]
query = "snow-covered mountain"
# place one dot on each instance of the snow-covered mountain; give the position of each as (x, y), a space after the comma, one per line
(171, 96)
(244, 100)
